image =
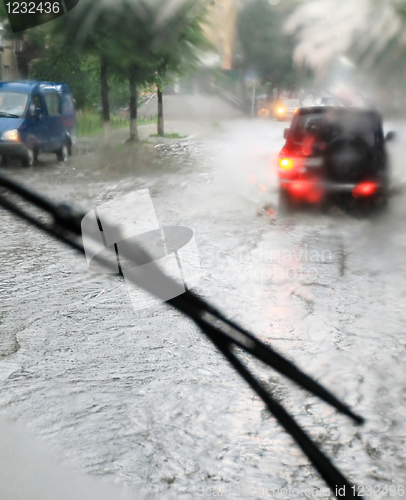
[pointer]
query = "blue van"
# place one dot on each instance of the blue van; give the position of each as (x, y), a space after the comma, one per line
(36, 117)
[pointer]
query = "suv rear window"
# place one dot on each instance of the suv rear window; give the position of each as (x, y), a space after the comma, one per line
(327, 126)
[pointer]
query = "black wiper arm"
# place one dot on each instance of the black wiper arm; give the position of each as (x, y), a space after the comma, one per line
(224, 333)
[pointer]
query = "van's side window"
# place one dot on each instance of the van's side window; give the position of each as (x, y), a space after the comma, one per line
(53, 104)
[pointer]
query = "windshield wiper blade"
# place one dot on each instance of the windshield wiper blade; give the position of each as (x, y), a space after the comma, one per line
(223, 333)
(8, 115)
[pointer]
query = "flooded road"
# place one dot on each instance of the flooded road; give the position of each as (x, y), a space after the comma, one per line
(141, 397)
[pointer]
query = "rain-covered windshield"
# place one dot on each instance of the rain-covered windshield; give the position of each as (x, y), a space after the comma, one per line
(185, 119)
(13, 103)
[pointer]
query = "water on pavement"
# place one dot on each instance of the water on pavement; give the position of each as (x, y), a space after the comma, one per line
(141, 397)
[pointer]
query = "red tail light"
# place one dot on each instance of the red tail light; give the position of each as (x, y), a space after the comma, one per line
(305, 190)
(364, 189)
(299, 189)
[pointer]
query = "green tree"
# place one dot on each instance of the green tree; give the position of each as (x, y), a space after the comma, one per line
(60, 63)
(267, 50)
(366, 36)
(134, 40)
(181, 55)
(368, 33)
(159, 46)
(122, 34)
(137, 39)
(95, 42)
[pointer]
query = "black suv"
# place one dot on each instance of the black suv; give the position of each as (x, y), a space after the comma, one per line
(334, 150)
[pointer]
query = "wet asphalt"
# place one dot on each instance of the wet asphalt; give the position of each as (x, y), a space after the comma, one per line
(140, 396)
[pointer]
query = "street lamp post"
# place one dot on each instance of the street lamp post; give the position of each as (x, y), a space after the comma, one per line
(253, 99)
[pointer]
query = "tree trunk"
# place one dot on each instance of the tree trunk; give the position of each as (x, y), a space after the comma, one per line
(133, 107)
(160, 114)
(104, 84)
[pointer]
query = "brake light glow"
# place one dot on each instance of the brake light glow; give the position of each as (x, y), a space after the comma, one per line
(286, 163)
(364, 189)
(304, 190)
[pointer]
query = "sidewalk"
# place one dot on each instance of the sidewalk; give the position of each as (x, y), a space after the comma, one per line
(87, 145)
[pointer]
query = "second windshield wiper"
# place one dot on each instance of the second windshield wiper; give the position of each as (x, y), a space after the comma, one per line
(8, 115)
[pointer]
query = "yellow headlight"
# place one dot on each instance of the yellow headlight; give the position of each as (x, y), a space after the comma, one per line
(281, 111)
(11, 135)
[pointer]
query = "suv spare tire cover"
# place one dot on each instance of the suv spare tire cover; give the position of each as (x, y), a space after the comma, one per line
(349, 159)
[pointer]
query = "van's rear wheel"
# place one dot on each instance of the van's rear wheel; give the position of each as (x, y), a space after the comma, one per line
(63, 153)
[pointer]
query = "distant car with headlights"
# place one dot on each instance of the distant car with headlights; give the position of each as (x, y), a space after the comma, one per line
(284, 110)
(333, 150)
(36, 117)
